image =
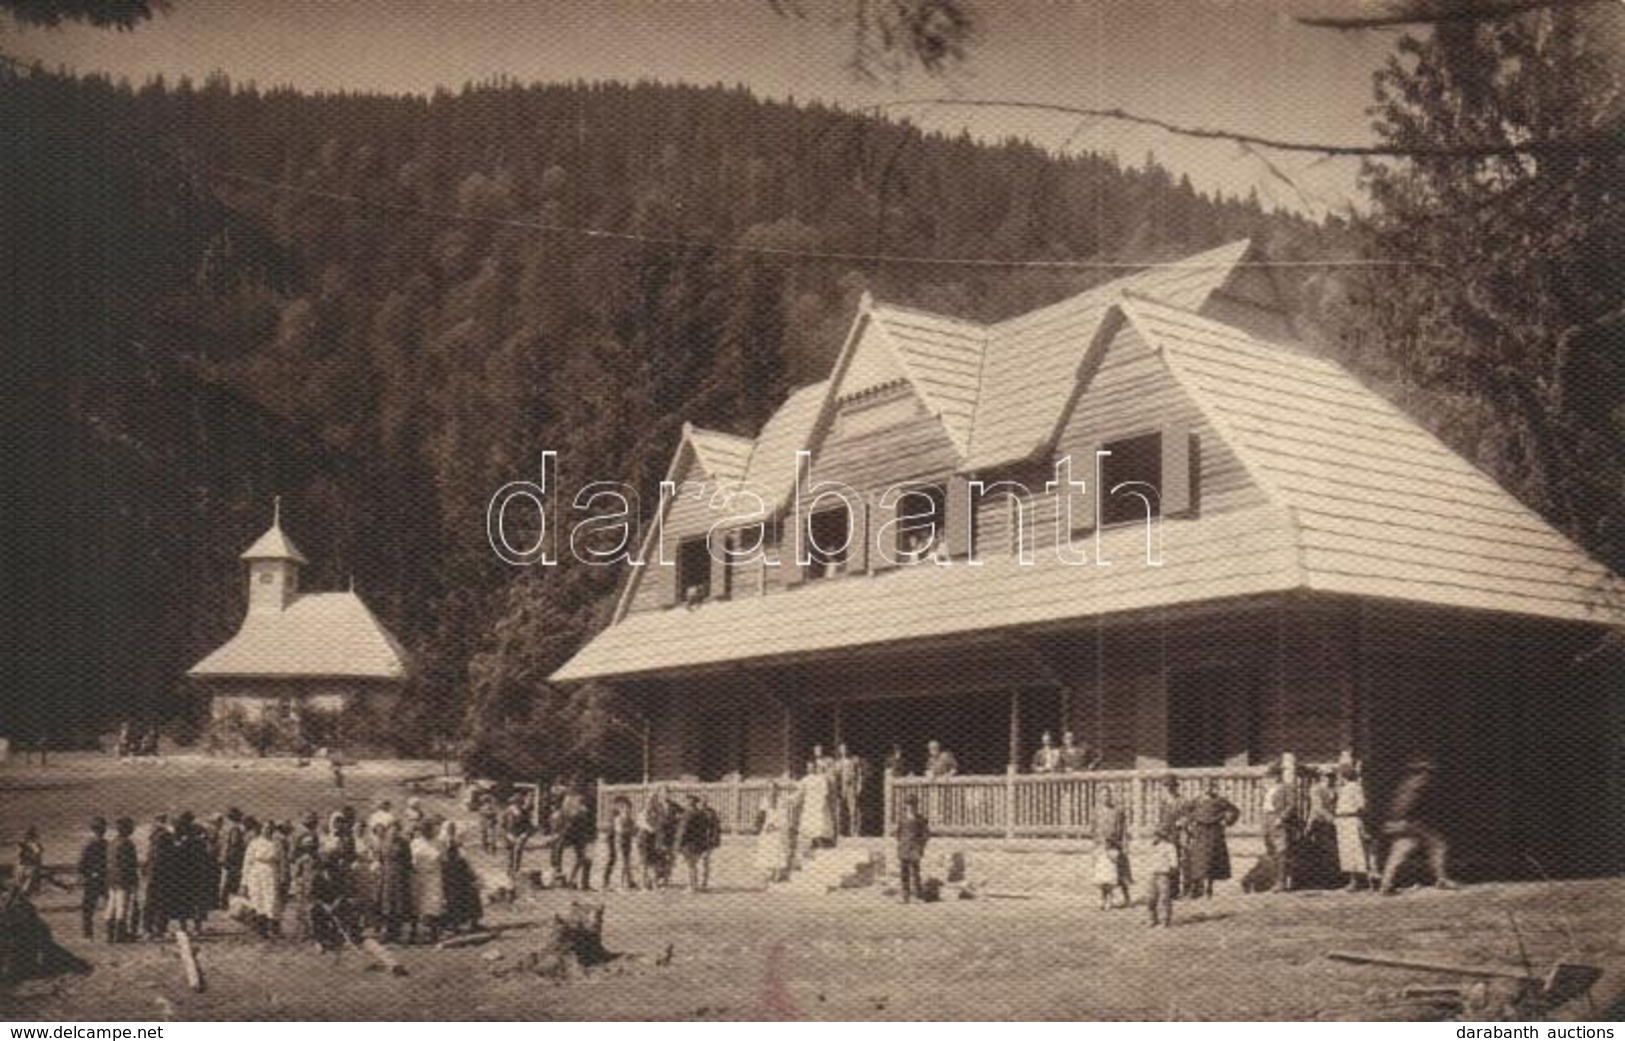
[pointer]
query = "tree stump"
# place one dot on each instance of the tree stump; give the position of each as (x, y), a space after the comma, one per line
(572, 943)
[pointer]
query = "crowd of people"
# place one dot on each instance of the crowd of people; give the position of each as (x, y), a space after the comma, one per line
(342, 877)
(641, 845)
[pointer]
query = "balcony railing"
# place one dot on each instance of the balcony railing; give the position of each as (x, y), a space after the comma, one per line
(1010, 805)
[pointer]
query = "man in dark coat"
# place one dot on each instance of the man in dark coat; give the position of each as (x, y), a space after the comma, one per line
(699, 831)
(1413, 827)
(160, 902)
(913, 832)
(233, 843)
(394, 882)
(92, 876)
(1207, 852)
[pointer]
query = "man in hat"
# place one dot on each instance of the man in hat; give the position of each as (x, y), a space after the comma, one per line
(1171, 810)
(92, 875)
(1280, 826)
(913, 832)
(123, 876)
(1413, 827)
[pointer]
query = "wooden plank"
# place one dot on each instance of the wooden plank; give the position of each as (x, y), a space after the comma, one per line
(1420, 965)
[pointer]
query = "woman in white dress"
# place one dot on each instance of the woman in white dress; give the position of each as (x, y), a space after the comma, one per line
(262, 875)
(774, 847)
(1353, 838)
(818, 809)
(428, 888)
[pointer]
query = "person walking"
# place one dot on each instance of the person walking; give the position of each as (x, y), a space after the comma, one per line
(92, 876)
(1353, 830)
(1412, 827)
(913, 832)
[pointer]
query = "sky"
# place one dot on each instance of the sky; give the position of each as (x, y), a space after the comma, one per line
(1243, 65)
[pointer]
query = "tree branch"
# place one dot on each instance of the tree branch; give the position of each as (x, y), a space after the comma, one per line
(1463, 11)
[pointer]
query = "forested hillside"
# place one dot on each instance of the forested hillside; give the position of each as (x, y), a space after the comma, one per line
(383, 308)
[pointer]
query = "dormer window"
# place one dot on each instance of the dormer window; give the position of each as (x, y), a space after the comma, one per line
(1131, 480)
(922, 520)
(693, 570)
(829, 542)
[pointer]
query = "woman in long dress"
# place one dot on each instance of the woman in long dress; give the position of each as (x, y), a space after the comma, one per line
(818, 810)
(262, 879)
(394, 881)
(1206, 849)
(428, 882)
(774, 843)
(1353, 835)
(459, 883)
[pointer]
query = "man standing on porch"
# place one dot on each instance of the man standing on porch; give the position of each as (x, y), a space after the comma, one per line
(1075, 758)
(849, 771)
(1047, 759)
(939, 762)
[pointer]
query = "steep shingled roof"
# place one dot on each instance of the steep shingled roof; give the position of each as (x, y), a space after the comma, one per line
(1361, 500)
(1381, 506)
(1032, 360)
(723, 456)
(326, 635)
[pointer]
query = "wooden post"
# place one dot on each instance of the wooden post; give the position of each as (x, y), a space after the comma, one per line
(646, 754)
(1010, 801)
(836, 713)
(1289, 768)
(885, 803)
(739, 803)
(1015, 730)
(1136, 800)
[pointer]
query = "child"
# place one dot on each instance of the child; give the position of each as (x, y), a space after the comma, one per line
(913, 832)
(1162, 863)
(92, 876)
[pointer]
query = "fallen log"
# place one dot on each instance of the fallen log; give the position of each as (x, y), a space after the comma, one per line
(194, 974)
(1428, 966)
(451, 943)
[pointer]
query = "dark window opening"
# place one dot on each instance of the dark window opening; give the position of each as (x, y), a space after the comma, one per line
(829, 542)
(1137, 463)
(922, 519)
(693, 570)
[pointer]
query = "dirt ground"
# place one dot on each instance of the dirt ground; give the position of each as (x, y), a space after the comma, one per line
(739, 953)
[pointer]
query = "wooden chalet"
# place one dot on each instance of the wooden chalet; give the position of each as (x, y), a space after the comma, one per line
(1326, 579)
